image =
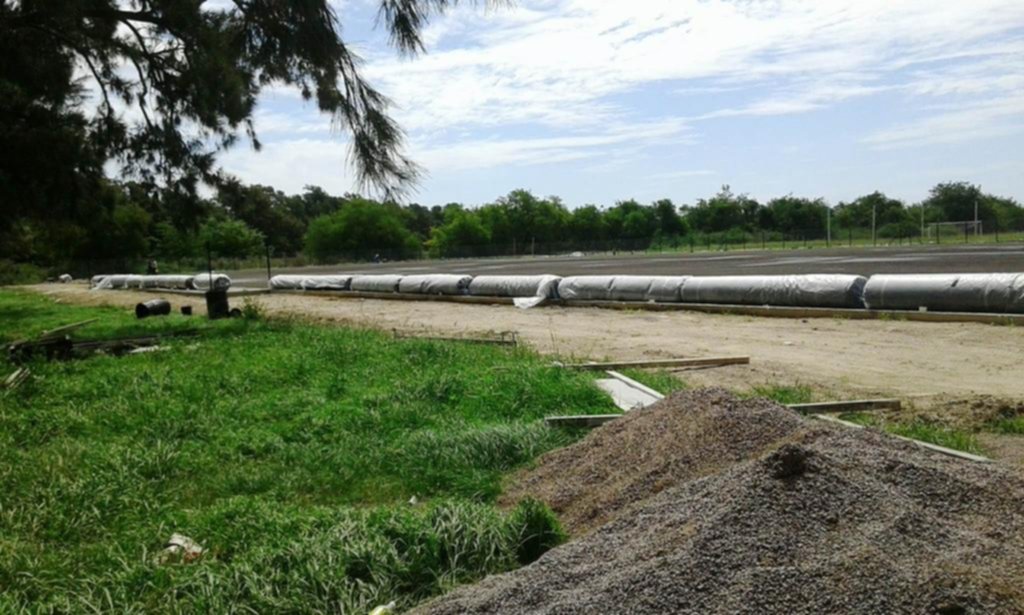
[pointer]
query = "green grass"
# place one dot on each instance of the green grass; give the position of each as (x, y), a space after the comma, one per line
(934, 434)
(289, 451)
(1011, 426)
(784, 394)
(662, 381)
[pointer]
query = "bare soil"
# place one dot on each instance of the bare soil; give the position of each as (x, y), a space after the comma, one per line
(841, 358)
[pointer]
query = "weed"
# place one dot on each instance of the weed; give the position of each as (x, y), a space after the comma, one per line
(784, 394)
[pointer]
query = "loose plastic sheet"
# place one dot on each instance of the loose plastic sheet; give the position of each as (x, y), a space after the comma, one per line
(812, 290)
(435, 284)
(386, 283)
(311, 282)
(204, 281)
(119, 281)
(510, 285)
(953, 292)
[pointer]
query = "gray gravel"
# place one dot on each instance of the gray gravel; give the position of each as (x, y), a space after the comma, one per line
(828, 520)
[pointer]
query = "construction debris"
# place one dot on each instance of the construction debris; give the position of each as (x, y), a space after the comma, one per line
(15, 378)
(706, 503)
(63, 348)
(180, 549)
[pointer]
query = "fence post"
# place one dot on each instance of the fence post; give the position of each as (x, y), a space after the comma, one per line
(266, 244)
(965, 234)
(691, 244)
(849, 240)
(763, 245)
(783, 240)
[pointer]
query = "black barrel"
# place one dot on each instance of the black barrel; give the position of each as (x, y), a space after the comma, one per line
(217, 304)
(154, 307)
(186, 310)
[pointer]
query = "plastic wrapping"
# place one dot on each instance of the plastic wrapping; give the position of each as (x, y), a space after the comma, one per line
(621, 288)
(166, 281)
(585, 288)
(951, 292)
(204, 281)
(119, 281)
(512, 285)
(658, 288)
(812, 290)
(386, 283)
(96, 280)
(311, 282)
(435, 284)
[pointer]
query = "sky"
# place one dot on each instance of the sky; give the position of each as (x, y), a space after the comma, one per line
(597, 101)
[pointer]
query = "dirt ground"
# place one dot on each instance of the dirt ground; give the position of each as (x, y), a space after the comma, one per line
(839, 358)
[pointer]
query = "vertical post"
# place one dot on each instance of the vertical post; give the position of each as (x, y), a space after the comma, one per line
(763, 245)
(976, 213)
(966, 231)
(828, 227)
(783, 240)
(209, 265)
(533, 246)
(922, 222)
(849, 240)
(874, 236)
(266, 245)
(691, 244)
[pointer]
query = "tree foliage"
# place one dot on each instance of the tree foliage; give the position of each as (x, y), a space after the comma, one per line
(173, 83)
(361, 229)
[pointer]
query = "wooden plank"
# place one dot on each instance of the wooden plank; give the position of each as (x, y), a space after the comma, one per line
(16, 378)
(928, 445)
(66, 328)
(636, 385)
(846, 406)
(680, 362)
(583, 421)
(625, 396)
(509, 339)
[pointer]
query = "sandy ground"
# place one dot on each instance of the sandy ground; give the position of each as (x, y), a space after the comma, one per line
(842, 358)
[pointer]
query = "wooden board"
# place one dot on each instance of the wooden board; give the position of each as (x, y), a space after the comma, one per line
(694, 362)
(624, 396)
(586, 420)
(846, 406)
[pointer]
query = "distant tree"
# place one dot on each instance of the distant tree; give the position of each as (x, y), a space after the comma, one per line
(723, 212)
(462, 235)
(857, 214)
(792, 214)
(587, 226)
(230, 238)
(268, 211)
(359, 230)
(670, 223)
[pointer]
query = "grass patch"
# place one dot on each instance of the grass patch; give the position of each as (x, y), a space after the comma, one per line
(660, 380)
(1010, 426)
(933, 434)
(289, 451)
(796, 394)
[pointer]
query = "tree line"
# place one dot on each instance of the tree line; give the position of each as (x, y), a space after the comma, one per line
(132, 221)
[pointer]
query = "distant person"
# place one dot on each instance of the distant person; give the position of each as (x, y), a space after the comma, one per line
(151, 267)
(376, 258)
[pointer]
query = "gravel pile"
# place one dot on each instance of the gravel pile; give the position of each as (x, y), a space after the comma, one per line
(808, 518)
(686, 436)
